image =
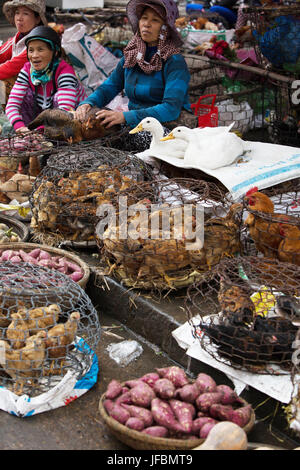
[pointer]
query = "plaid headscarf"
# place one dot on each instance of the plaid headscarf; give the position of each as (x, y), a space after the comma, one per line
(135, 50)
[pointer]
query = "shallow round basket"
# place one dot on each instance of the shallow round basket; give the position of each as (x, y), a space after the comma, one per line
(18, 227)
(27, 247)
(139, 441)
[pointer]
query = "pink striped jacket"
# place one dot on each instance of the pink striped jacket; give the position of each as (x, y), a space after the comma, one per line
(69, 92)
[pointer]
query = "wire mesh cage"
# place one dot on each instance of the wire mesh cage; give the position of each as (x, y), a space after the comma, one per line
(73, 184)
(272, 222)
(276, 30)
(16, 151)
(285, 116)
(245, 98)
(245, 313)
(48, 328)
(156, 242)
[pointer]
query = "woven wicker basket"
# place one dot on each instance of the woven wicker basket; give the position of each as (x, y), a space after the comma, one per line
(139, 441)
(18, 227)
(27, 247)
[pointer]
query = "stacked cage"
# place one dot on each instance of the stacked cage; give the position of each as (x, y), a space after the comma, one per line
(242, 97)
(48, 328)
(73, 184)
(244, 314)
(276, 30)
(156, 242)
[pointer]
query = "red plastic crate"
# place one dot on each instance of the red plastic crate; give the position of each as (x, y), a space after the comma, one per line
(207, 113)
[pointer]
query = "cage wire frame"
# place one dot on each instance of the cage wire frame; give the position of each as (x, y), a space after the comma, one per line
(285, 116)
(16, 149)
(157, 245)
(243, 94)
(234, 313)
(274, 233)
(266, 22)
(73, 184)
(34, 300)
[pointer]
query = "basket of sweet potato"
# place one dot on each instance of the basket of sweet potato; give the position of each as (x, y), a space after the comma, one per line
(49, 257)
(165, 410)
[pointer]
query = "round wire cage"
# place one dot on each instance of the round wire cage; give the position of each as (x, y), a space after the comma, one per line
(276, 31)
(156, 241)
(48, 328)
(272, 222)
(245, 313)
(73, 184)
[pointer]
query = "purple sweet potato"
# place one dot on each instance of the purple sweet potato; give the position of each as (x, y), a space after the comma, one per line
(183, 414)
(119, 413)
(188, 393)
(156, 431)
(108, 405)
(205, 430)
(175, 374)
(124, 398)
(135, 423)
(229, 395)
(150, 378)
(138, 412)
(132, 383)
(142, 394)
(241, 416)
(199, 422)
(164, 389)
(114, 389)
(191, 408)
(163, 415)
(205, 400)
(221, 412)
(205, 383)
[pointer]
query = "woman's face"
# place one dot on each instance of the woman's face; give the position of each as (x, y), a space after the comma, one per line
(25, 19)
(150, 24)
(39, 54)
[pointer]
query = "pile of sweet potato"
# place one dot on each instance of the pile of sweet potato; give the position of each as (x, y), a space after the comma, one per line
(166, 404)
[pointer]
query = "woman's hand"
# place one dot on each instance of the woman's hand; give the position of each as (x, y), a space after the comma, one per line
(110, 118)
(81, 111)
(22, 130)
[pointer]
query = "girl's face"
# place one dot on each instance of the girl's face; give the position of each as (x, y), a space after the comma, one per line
(150, 24)
(39, 54)
(25, 19)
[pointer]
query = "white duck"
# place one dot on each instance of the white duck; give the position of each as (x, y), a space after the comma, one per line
(157, 147)
(209, 148)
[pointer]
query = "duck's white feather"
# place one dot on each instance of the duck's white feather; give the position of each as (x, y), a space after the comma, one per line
(209, 148)
(157, 147)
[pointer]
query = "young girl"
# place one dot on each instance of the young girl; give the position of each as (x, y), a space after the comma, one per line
(46, 81)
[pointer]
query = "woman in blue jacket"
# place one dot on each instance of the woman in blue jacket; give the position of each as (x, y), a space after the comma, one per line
(153, 73)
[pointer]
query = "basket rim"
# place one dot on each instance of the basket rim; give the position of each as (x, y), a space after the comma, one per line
(83, 265)
(161, 442)
(18, 224)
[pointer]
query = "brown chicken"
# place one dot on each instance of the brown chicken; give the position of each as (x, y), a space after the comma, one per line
(264, 231)
(25, 364)
(289, 247)
(27, 322)
(159, 243)
(59, 340)
(236, 303)
(221, 238)
(60, 125)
